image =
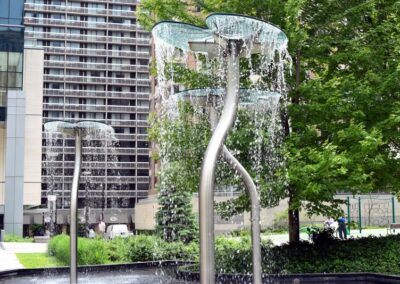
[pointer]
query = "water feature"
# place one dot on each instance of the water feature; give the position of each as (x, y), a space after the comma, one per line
(80, 131)
(227, 38)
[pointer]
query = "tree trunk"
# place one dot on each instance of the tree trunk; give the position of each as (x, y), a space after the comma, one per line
(294, 224)
(294, 221)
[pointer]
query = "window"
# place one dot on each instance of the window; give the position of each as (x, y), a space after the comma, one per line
(142, 130)
(142, 173)
(142, 116)
(126, 144)
(120, 202)
(143, 144)
(142, 158)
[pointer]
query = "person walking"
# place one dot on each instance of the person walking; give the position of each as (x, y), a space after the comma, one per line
(342, 228)
(102, 228)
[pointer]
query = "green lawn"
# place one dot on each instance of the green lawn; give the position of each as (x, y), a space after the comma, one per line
(37, 260)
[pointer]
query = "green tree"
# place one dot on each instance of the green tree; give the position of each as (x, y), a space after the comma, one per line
(343, 101)
(181, 141)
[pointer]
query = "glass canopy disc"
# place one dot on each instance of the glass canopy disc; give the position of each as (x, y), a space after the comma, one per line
(69, 128)
(179, 34)
(247, 96)
(234, 26)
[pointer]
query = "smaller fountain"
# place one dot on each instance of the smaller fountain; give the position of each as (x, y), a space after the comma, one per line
(78, 130)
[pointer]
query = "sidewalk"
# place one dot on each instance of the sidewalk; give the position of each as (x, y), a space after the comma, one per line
(8, 259)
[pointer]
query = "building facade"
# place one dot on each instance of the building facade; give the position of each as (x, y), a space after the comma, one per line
(21, 83)
(96, 67)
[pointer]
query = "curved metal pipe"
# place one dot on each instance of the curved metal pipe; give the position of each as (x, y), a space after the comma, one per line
(206, 196)
(255, 212)
(255, 202)
(74, 213)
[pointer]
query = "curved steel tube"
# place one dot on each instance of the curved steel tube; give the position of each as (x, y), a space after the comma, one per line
(255, 213)
(74, 201)
(255, 203)
(206, 198)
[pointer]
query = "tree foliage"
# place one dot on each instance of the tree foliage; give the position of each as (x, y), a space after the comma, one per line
(347, 96)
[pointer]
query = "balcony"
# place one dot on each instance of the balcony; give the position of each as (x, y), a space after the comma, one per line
(98, 179)
(78, 24)
(118, 151)
(101, 53)
(100, 80)
(128, 2)
(95, 94)
(93, 66)
(29, 6)
(121, 123)
(87, 38)
(142, 123)
(127, 109)
(75, 65)
(97, 165)
(74, 107)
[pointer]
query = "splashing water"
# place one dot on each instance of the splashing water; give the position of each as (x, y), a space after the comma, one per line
(98, 160)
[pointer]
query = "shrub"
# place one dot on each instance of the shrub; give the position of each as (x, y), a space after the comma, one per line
(233, 255)
(16, 239)
(118, 250)
(180, 251)
(90, 251)
(59, 247)
(241, 233)
(320, 236)
(144, 248)
(370, 254)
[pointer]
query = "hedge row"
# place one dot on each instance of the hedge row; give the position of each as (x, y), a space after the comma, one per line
(122, 250)
(233, 255)
(370, 254)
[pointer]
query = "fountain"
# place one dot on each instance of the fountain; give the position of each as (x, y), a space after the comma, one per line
(228, 37)
(77, 130)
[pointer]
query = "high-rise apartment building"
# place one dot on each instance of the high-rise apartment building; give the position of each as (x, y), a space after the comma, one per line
(96, 67)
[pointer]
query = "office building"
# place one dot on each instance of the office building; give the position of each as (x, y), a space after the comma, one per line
(21, 83)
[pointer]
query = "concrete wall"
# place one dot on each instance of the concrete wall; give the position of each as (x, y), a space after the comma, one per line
(33, 96)
(145, 213)
(23, 151)
(33, 90)
(14, 165)
(2, 162)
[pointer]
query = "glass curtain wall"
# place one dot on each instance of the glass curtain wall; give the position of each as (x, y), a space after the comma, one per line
(11, 49)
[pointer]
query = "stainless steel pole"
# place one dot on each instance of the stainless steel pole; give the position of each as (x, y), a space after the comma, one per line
(206, 198)
(255, 213)
(74, 206)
